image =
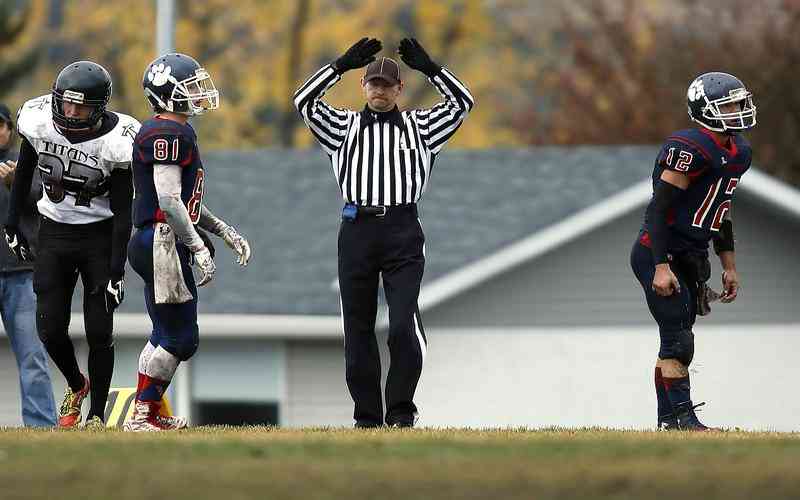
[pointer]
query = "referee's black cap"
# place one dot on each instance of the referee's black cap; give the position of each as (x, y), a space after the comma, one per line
(384, 68)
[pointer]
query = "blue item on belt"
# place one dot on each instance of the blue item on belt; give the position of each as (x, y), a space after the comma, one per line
(350, 211)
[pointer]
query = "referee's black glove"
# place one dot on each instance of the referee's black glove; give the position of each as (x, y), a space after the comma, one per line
(360, 54)
(412, 53)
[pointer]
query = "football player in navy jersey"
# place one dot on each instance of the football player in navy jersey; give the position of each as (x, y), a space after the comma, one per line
(83, 154)
(169, 178)
(696, 174)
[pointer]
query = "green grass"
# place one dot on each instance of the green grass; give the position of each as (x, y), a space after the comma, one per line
(237, 463)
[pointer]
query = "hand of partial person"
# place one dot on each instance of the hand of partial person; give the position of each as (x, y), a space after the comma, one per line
(665, 282)
(7, 169)
(206, 264)
(360, 54)
(412, 53)
(114, 292)
(238, 244)
(730, 286)
(17, 243)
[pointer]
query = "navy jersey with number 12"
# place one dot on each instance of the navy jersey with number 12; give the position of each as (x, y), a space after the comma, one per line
(165, 142)
(714, 171)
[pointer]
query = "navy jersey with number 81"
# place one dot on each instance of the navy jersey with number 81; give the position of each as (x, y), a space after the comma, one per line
(165, 142)
(714, 172)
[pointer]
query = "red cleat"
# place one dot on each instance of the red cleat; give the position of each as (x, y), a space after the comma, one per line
(69, 415)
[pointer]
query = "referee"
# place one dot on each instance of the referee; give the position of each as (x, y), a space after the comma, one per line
(382, 160)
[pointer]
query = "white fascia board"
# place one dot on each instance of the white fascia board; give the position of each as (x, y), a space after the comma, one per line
(262, 326)
(764, 186)
(535, 245)
(772, 190)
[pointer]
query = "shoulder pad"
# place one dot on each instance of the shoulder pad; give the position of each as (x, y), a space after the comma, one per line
(35, 117)
(118, 144)
(164, 144)
(684, 152)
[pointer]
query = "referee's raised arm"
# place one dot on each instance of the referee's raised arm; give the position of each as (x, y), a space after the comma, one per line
(327, 123)
(439, 123)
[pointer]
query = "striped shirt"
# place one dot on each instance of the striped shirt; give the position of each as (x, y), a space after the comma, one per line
(387, 161)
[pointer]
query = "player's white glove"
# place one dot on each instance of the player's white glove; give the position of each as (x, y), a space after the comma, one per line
(206, 264)
(238, 244)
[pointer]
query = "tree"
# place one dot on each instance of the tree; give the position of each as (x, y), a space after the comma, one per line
(19, 49)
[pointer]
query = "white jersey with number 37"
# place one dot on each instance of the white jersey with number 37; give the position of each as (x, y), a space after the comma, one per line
(75, 177)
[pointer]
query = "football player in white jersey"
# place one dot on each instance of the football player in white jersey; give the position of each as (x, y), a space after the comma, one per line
(83, 153)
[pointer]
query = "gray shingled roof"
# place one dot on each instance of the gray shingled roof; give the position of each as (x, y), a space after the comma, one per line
(287, 203)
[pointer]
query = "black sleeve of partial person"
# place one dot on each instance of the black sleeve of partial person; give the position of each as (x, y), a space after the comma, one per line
(663, 197)
(723, 242)
(121, 192)
(21, 188)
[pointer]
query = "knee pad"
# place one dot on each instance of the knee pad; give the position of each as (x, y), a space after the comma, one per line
(183, 348)
(162, 364)
(677, 345)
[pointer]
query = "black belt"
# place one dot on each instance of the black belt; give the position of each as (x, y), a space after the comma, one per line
(351, 211)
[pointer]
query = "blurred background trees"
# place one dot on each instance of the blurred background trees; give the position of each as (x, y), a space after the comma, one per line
(544, 72)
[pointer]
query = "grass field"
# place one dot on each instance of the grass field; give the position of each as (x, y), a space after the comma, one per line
(236, 463)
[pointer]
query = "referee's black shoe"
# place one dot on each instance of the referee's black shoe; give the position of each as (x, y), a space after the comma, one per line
(402, 421)
(367, 424)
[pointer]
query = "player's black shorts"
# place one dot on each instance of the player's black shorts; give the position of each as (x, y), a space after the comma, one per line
(66, 250)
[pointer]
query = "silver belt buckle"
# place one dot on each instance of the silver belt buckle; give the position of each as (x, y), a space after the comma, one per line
(383, 211)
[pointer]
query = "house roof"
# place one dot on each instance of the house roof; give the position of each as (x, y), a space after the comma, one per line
(485, 211)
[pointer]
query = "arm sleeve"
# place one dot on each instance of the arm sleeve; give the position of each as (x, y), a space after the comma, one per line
(439, 123)
(167, 180)
(327, 124)
(664, 196)
(121, 192)
(211, 222)
(21, 188)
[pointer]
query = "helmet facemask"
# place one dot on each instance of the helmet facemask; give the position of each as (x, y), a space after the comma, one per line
(743, 119)
(195, 95)
(66, 123)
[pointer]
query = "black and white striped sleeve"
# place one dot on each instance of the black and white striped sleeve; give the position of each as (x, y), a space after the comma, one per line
(328, 124)
(439, 123)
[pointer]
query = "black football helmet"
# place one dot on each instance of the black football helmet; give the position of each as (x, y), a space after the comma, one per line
(82, 82)
(177, 83)
(711, 90)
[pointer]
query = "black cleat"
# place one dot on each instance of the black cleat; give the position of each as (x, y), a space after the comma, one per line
(668, 422)
(687, 419)
(367, 424)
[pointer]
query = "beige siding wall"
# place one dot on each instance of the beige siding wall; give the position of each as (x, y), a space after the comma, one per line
(316, 391)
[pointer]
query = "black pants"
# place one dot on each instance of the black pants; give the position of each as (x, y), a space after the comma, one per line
(65, 252)
(391, 246)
